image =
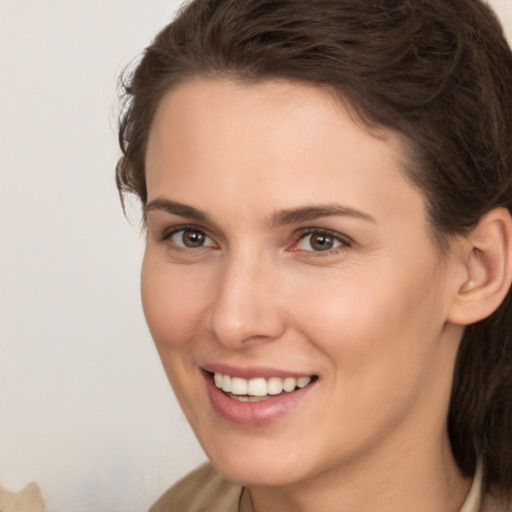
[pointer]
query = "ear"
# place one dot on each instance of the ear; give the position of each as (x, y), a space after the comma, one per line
(487, 263)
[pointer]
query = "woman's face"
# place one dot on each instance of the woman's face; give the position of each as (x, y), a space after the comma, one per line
(284, 242)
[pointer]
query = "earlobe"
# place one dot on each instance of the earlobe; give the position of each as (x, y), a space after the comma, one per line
(487, 261)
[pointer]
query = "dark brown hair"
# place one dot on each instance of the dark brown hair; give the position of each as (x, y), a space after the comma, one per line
(439, 72)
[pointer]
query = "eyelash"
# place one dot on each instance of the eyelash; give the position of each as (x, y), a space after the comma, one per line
(344, 241)
(170, 232)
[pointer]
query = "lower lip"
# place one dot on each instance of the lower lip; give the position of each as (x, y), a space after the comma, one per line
(254, 413)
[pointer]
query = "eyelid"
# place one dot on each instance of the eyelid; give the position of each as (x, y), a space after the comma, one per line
(170, 231)
(344, 240)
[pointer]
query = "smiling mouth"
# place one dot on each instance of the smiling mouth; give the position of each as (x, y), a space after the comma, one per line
(259, 389)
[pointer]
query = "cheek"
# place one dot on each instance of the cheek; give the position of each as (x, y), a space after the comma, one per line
(172, 302)
(381, 338)
(173, 309)
(380, 318)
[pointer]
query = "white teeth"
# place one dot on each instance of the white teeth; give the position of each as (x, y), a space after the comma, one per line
(239, 386)
(248, 398)
(289, 384)
(259, 387)
(274, 386)
(302, 382)
(226, 383)
(217, 377)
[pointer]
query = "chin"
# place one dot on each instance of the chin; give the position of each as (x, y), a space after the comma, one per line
(258, 462)
(260, 473)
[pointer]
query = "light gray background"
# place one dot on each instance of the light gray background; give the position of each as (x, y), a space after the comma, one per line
(85, 409)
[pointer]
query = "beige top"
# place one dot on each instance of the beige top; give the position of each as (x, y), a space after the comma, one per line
(27, 500)
(204, 490)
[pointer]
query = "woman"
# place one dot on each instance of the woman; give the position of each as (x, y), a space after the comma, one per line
(327, 190)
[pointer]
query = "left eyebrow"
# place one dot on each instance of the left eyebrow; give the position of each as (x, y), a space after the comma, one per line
(309, 213)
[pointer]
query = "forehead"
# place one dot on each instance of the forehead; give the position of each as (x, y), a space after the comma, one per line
(276, 142)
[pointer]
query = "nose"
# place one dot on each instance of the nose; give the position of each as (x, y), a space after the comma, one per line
(246, 307)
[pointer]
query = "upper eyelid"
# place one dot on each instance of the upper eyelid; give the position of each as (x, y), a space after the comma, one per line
(335, 234)
(166, 237)
(170, 230)
(300, 233)
(345, 243)
(159, 217)
(167, 233)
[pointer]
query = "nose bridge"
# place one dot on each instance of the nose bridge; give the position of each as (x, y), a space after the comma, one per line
(244, 307)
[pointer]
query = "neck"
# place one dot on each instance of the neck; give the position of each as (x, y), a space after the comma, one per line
(394, 482)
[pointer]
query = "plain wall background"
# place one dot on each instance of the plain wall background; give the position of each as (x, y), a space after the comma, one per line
(85, 409)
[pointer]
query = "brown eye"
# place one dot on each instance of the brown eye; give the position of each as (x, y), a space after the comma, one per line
(191, 238)
(321, 241)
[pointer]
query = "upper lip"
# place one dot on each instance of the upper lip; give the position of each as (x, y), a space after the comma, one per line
(252, 372)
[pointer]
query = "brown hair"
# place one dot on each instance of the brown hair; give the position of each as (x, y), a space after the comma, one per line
(439, 72)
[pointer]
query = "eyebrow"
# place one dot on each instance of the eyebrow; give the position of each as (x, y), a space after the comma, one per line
(281, 218)
(175, 208)
(308, 213)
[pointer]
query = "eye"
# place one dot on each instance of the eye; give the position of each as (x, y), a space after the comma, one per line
(321, 241)
(190, 238)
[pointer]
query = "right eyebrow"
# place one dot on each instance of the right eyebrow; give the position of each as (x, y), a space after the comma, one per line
(175, 208)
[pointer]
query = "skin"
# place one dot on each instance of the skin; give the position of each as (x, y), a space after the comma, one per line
(370, 317)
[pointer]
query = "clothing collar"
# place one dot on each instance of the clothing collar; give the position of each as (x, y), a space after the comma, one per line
(474, 497)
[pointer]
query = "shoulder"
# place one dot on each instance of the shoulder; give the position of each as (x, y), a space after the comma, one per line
(203, 490)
